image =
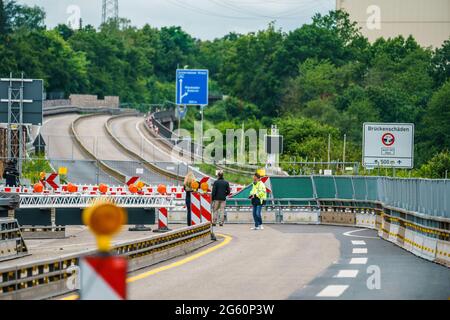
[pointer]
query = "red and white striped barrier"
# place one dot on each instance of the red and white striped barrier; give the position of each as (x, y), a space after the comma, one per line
(103, 278)
(163, 220)
(205, 203)
(196, 208)
(176, 191)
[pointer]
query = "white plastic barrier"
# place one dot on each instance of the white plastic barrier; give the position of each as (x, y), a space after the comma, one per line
(366, 220)
(409, 240)
(393, 232)
(443, 252)
(300, 217)
(429, 248)
(418, 243)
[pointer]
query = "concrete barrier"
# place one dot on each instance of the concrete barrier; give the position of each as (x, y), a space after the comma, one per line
(300, 217)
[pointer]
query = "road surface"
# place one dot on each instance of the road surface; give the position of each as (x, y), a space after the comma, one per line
(296, 262)
(63, 151)
(93, 135)
(131, 133)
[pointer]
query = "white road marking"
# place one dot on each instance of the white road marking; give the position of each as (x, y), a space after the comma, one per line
(347, 274)
(349, 234)
(332, 291)
(358, 242)
(358, 261)
(359, 250)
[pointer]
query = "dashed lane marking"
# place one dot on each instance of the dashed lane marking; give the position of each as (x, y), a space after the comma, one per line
(347, 274)
(359, 250)
(332, 291)
(358, 242)
(358, 261)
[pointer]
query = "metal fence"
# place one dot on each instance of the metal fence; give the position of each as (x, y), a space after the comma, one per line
(421, 196)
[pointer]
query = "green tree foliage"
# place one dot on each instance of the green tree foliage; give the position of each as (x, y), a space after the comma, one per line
(437, 167)
(434, 133)
(321, 78)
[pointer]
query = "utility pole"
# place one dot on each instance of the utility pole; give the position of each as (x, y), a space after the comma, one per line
(329, 149)
(343, 153)
(110, 10)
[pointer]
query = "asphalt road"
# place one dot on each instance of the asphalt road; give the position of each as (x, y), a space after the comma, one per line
(63, 151)
(297, 262)
(93, 134)
(131, 133)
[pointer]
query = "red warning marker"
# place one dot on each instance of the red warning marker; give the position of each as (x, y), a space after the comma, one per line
(132, 180)
(103, 278)
(388, 139)
(51, 180)
(264, 180)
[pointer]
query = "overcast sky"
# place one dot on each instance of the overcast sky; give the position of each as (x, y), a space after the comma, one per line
(205, 19)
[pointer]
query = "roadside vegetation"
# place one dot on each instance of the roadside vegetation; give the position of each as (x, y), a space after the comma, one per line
(323, 78)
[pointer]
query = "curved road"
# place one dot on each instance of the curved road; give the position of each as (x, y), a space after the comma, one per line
(93, 134)
(63, 151)
(131, 133)
(295, 262)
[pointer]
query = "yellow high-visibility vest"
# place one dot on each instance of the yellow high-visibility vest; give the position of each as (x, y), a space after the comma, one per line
(259, 189)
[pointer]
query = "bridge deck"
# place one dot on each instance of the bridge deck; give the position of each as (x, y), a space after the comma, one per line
(78, 239)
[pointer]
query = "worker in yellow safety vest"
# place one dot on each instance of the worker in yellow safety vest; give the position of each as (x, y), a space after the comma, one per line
(258, 197)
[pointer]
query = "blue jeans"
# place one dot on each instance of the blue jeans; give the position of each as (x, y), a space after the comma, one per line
(257, 215)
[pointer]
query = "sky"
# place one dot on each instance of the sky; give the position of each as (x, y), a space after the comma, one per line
(204, 19)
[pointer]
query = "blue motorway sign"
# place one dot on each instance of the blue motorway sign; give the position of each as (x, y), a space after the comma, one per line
(192, 87)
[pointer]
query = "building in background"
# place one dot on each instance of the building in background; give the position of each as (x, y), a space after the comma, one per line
(428, 21)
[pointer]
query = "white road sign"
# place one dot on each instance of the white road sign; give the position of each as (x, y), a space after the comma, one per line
(388, 145)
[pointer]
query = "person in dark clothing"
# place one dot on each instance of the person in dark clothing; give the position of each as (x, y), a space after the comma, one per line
(220, 192)
(10, 174)
(187, 186)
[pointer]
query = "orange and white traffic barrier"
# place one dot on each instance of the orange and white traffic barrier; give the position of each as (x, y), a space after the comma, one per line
(196, 208)
(163, 220)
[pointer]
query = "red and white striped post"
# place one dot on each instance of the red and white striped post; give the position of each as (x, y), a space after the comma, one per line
(103, 278)
(206, 207)
(163, 220)
(196, 208)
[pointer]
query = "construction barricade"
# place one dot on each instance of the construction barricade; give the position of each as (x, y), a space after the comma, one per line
(163, 220)
(196, 216)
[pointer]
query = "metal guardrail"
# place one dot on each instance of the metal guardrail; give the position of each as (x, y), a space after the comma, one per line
(47, 278)
(9, 201)
(171, 137)
(106, 168)
(43, 201)
(12, 244)
(50, 111)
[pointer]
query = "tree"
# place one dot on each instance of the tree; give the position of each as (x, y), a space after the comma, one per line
(437, 167)
(332, 37)
(441, 64)
(3, 22)
(23, 17)
(250, 72)
(435, 131)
